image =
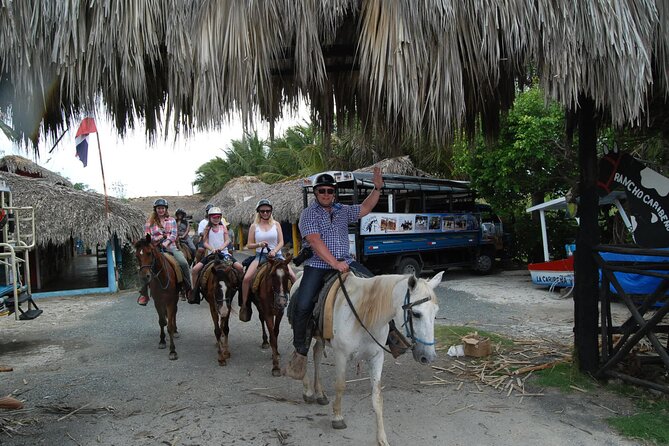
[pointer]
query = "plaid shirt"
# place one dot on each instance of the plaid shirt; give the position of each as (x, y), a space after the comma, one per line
(332, 227)
(167, 233)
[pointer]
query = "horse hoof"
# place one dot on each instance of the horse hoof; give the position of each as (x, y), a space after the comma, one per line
(338, 424)
(324, 401)
(162, 345)
(173, 356)
(265, 345)
(222, 362)
(309, 399)
(226, 355)
(177, 335)
(276, 372)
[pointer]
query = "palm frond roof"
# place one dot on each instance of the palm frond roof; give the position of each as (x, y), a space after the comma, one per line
(415, 67)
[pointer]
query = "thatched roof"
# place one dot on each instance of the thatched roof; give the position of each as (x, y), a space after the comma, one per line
(62, 212)
(237, 191)
(189, 203)
(24, 167)
(400, 165)
(286, 198)
(414, 67)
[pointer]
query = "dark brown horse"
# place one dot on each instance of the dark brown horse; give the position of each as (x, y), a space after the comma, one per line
(219, 283)
(156, 271)
(271, 299)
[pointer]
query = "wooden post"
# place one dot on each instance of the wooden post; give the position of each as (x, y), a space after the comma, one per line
(240, 237)
(296, 240)
(586, 275)
(102, 169)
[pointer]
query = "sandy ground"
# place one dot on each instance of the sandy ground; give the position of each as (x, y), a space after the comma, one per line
(99, 354)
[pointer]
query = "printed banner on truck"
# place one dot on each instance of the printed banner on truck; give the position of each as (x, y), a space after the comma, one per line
(386, 223)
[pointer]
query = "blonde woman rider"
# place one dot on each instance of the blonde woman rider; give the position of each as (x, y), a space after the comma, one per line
(266, 237)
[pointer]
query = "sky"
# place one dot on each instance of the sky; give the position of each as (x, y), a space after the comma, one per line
(172, 163)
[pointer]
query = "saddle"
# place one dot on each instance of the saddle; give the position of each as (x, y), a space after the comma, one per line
(261, 272)
(170, 258)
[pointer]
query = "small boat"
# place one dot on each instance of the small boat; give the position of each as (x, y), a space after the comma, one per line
(555, 273)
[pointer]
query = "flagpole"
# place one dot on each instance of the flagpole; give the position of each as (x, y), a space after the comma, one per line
(104, 183)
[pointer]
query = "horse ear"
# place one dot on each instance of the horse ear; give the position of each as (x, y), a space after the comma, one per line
(289, 257)
(436, 280)
(148, 238)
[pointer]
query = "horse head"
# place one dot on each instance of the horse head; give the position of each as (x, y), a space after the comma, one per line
(279, 277)
(147, 257)
(418, 314)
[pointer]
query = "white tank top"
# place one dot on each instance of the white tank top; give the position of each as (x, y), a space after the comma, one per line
(271, 237)
(216, 239)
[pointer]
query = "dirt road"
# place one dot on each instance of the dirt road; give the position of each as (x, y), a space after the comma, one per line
(99, 355)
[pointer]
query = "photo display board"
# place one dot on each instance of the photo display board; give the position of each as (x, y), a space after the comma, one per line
(421, 223)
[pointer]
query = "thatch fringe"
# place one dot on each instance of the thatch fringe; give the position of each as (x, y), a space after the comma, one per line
(23, 166)
(237, 191)
(62, 212)
(416, 67)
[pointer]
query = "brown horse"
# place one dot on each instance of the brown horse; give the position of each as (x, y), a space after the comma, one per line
(271, 299)
(219, 283)
(156, 271)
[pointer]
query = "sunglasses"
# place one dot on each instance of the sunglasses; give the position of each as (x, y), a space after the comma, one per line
(325, 191)
(215, 216)
(265, 211)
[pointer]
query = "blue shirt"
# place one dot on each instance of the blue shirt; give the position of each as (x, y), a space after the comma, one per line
(332, 227)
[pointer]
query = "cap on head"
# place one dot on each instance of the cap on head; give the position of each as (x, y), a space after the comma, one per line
(325, 179)
(264, 202)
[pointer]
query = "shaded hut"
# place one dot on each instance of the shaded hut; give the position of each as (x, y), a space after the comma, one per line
(68, 220)
(190, 203)
(237, 191)
(400, 165)
(26, 168)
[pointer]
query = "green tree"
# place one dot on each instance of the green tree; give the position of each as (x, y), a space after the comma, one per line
(530, 162)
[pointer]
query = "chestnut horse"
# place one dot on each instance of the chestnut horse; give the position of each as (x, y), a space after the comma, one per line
(271, 299)
(219, 286)
(156, 271)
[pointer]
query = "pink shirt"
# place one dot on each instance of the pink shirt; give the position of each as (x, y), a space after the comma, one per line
(165, 235)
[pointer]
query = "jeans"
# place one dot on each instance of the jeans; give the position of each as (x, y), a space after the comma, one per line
(305, 300)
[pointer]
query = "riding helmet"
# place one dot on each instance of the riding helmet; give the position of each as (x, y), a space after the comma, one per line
(207, 207)
(214, 211)
(160, 202)
(324, 179)
(180, 211)
(264, 202)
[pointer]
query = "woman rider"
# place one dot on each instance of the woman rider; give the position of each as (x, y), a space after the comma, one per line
(215, 240)
(163, 231)
(266, 237)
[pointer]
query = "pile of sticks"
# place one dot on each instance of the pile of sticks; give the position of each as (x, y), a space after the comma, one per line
(507, 369)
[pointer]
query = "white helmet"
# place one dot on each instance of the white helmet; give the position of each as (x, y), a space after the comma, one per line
(214, 210)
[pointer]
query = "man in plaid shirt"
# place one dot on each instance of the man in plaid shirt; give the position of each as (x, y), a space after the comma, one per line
(324, 224)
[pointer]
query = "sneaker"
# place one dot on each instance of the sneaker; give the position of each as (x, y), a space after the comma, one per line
(143, 300)
(297, 367)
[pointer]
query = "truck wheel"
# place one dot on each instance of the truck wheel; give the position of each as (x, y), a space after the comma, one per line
(484, 264)
(409, 265)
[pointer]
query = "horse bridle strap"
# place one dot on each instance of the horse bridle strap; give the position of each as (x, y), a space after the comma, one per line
(355, 313)
(407, 311)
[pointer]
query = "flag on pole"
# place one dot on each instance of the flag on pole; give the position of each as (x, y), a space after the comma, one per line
(86, 127)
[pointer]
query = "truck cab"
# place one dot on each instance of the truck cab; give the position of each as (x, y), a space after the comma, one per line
(419, 223)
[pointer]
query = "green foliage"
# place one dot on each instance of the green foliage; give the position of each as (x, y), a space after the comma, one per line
(563, 376)
(81, 186)
(651, 423)
(530, 162)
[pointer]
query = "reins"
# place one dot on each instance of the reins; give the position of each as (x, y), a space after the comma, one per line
(156, 274)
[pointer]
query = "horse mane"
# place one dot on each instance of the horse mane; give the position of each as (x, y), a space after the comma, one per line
(142, 243)
(375, 297)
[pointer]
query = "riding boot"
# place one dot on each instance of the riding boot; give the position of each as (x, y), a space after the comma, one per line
(297, 366)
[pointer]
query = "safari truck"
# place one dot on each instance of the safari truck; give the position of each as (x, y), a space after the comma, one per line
(419, 223)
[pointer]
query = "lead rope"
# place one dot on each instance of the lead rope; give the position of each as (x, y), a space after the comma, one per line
(355, 313)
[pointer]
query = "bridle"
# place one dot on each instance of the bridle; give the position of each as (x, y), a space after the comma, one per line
(156, 274)
(615, 162)
(278, 297)
(408, 319)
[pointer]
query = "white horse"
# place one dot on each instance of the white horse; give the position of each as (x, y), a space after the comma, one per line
(409, 301)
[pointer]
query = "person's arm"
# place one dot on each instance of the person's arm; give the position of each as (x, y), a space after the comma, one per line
(324, 253)
(373, 198)
(251, 242)
(226, 238)
(279, 241)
